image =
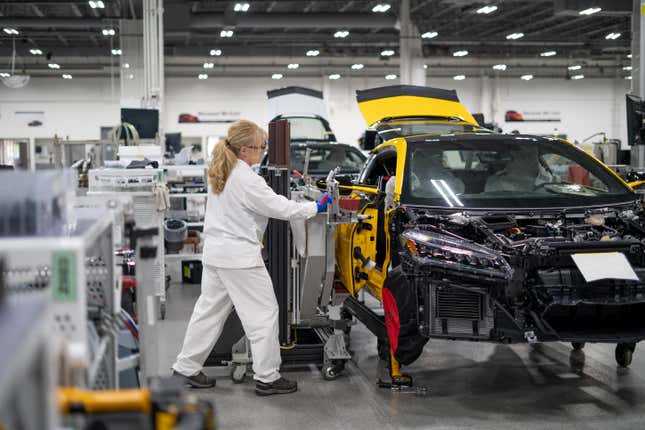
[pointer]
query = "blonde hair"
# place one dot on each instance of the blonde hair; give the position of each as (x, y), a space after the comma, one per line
(224, 156)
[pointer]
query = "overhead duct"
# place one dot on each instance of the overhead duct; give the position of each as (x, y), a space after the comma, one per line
(291, 20)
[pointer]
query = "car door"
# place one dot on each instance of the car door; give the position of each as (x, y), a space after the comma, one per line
(363, 249)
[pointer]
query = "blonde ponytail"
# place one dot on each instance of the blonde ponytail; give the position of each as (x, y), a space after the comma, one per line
(224, 157)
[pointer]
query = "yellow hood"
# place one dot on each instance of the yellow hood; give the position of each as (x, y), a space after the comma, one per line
(410, 100)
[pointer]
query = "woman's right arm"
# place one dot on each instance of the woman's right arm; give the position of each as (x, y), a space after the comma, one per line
(261, 199)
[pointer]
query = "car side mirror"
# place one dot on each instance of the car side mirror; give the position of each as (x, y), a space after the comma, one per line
(369, 140)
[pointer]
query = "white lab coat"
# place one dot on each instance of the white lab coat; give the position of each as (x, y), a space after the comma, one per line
(234, 274)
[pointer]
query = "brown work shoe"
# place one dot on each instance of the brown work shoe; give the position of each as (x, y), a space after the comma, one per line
(196, 381)
(280, 386)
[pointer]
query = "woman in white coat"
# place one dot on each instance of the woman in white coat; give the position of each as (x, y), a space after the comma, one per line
(238, 208)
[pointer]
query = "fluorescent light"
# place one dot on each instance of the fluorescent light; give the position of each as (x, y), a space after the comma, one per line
(429, 35)
(216, 52)
(66, 76)
(53, 66)
(526, 77)
(548, 54)
(116, 52)
(499, 67)
(381, 8)
(10, 30)
(334, 76)
(96, 4)
(459, 77)
(590, 11)
(313, 53)
(515, 36)
(577, 67)
(461, 53)
(425, 66)
(209, 65)
(4, 75)
(487, 9)
(108, 32)
(241, 7)
(202, 76)
(390, 77)
(387, 53)
(627, 68)
(226, 33)
(126, 65)
(577, 77)
(629, 55)
(276, 76)
(36, 52)
(612, 36)
(341, 34)
(293, 66)
(629, 78)
(130, 76)
(357, 66)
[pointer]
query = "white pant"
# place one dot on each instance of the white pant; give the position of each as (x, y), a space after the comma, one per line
(251, 292)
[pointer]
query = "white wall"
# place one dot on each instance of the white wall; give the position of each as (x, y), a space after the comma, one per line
(78, 108)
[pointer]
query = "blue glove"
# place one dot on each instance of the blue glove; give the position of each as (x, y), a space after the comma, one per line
(322, 202)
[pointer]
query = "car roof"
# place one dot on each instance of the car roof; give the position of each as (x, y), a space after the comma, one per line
(481, 137)
(323, 145)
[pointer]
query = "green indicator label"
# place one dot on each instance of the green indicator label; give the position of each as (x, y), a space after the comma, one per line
(64, 276)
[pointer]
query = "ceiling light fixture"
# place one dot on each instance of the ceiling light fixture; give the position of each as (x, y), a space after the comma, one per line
(341, 34)
(4, 75)
(515, 36)
(276, 76)
(293, 66)
(612, 36)
(627, 68)
(116, 52)
(357, 66)
(499, 67)
(390, 77)
(629, 78)
(334, 76)
(487, 9)
(590, 11)
(216, 52)
(53, 66)
(425, 66)
(126, 65)
(429, 35)
(313, 53)
(459, 77)
(461, 53)
(548, 54)
(209, 65)
(629, 55)
(381, 8)
(577, 77)
(10, 30)
(96, 4)
(226, 33)
(387, 53)
(36, 52)
(108, 32)
(66, 76)
(526, 77)
(576, 67)
(202, 76)
(241, 7)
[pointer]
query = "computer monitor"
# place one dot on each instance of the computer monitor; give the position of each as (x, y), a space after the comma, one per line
(173, 142)
(146, 121)
(635, 112)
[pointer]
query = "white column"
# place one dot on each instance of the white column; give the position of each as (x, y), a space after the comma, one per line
(411, 69)
(486, 99)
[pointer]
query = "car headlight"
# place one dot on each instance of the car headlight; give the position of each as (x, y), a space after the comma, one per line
(448, 252)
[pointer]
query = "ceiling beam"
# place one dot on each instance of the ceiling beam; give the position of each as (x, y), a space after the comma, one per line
(37, 10)
(76, 10)
(291, 20)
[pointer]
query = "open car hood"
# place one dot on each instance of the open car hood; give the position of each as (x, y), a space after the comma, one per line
(408, 101)
(296, 101)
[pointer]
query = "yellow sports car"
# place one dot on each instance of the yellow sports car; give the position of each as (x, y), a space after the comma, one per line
(472, 235)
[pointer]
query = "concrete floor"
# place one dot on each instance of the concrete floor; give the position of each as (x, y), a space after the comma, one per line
(470, 386)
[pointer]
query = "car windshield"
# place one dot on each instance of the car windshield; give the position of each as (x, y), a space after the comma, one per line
(503, 172)
(308, 128)
(325, 158)
(413, 127)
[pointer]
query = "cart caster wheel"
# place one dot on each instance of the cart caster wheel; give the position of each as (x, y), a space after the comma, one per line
(162, 311)
(332, 371)
(578, 346)
(624, 354)
(238, 373)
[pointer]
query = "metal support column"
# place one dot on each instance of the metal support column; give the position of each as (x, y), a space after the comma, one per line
(411, 70)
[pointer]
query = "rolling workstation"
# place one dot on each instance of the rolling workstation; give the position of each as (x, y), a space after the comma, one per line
(476, 258)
